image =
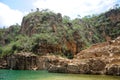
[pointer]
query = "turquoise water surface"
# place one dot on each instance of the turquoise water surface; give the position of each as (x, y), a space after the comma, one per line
(44, 75)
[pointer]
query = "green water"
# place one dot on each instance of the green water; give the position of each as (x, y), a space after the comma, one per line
(44, 75)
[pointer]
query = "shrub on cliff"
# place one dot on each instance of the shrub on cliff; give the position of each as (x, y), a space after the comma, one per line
(7, 50)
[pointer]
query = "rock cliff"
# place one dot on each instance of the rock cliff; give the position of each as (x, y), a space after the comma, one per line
(22, 61)
(3, 63)
(101, 58)
(44, 34)
(54, 36)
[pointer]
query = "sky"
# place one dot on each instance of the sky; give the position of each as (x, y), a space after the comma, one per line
(12, 11)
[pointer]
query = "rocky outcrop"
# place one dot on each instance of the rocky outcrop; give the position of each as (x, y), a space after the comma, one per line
(54, 35)
(36, 22)
(3, 63)
(108, 52)
(52, 63)
(90, 66)
(23, 61)
(101, 58)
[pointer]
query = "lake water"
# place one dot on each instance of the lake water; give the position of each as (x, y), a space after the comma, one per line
(44, 75)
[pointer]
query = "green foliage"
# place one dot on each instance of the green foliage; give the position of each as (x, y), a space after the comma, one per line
(49, 37)
(66, 19)
(24, 43)
(7, 50)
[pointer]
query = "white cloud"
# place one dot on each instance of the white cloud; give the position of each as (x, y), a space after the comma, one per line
(9, 16)
(74, 7)
(70, 8)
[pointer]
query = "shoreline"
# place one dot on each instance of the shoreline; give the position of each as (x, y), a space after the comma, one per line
(57, 64)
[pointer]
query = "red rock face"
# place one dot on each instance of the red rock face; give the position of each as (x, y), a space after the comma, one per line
(71, 46)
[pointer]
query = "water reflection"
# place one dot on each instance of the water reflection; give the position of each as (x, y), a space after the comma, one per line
(44, 75)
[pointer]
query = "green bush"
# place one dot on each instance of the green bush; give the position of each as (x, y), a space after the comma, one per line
(7, 51)
(16, 48)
